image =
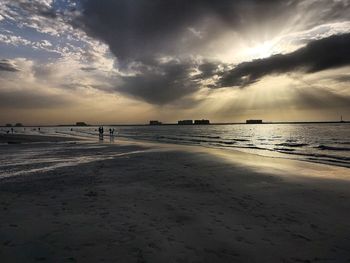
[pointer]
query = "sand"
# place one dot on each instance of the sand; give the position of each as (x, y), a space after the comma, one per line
(23, 138)
(152, 202)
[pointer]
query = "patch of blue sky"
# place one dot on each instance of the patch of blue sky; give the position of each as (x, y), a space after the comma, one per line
(25, 32)
(33, 36)
(28, 52)
(61, 5)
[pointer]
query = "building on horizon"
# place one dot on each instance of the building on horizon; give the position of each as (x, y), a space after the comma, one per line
(18, 124)
(81, 123)
(201, 122)
(185, 122)
(8, 125)
(253, 121)
(153, 122)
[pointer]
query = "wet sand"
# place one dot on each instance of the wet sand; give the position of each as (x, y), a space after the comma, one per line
(166, 203)
(24, 138)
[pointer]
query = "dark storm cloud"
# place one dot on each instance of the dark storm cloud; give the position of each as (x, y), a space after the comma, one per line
(143, 31)
(327, 53)
(142, 28)
(6, 65)
(162, 83)
(208, 70)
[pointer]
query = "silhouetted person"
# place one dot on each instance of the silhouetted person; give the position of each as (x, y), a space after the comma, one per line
(111, 137)
(11, 130)
(100, 131)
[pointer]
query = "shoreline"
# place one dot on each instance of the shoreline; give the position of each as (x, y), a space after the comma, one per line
(237, 150)
(325, 150)
(31, 138)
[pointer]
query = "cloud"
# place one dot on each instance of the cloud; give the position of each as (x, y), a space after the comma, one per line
(141, 32)
(318, 55)
(88, 69)
(7, 65)
(208, 70)
(141, 28)
(40, 7)
(29, 84)
(23, 90)
(161, 51)
(344, 78)
(160, 84)
(32, 99)
(45, 26)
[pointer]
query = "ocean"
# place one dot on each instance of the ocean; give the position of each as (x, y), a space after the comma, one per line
(327, 143)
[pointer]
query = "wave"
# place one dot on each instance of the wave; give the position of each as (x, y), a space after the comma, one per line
(332, 148)
(292, 144)
(226, 142)
(241, 140)
(344, 143)
(282, 150)
(316, 155)
(209, 137)
(251, 147)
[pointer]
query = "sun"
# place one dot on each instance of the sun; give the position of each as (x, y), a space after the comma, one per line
(248, 50)
(261, 50)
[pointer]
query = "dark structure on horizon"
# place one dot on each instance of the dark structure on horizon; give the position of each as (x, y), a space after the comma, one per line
(185, 122)
(253, 121)
(18, 124)
(81, 123)
(155, 123)
(8, 125)
(202, 122)
(191, 122)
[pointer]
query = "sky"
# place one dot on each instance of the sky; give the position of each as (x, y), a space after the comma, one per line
(131, 61)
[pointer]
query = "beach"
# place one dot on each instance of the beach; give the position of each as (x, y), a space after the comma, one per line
(133, 201)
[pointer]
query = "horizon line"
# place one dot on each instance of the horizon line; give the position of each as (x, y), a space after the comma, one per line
(171, 123)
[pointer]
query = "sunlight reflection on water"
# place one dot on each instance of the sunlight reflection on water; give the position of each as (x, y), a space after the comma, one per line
(326, 143)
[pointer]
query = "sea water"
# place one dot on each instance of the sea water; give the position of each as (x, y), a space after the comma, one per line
(316, 142)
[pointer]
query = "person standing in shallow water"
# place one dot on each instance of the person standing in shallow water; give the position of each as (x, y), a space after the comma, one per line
(100, 131)
(111, 137)
(111, 132)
